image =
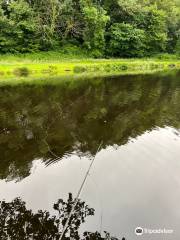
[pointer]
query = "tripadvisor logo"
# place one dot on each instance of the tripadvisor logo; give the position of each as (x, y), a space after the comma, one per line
(139, 231)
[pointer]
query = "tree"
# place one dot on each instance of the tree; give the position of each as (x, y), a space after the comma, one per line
(47, 14)
(154, 23)
(5, 32)
(122, 11)
(126, 40)
(25, 25)
(95, 23)
(18, 28)
(70, 22)
(171, 11)
(177, 49)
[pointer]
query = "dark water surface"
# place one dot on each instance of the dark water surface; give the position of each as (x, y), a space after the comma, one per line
(49, 134)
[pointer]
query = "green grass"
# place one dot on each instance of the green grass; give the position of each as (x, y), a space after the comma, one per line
(46, 64)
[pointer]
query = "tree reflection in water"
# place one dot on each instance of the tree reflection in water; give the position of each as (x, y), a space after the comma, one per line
(19, 223)
(45, 121)
(50, 121)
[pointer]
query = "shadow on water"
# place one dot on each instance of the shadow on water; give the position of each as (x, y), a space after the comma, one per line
(19, 223)
(51, 122)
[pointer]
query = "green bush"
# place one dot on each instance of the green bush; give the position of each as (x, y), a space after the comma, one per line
(21, 72)
(126, 41)
(79, 69)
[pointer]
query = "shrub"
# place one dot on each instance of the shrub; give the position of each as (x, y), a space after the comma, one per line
(126, 41)
(79, 69)
(21, 72)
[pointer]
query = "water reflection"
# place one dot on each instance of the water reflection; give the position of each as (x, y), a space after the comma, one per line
(49, 122)
(18, 223)
(50, 133)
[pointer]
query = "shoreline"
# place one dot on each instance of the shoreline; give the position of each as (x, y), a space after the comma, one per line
(32, 66)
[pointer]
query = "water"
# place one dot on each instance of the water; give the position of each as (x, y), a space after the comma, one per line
(49, 134)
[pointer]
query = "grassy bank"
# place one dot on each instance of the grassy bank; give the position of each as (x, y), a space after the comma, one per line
(63, 64)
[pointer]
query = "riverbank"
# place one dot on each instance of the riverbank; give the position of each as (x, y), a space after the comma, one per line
(57, 64)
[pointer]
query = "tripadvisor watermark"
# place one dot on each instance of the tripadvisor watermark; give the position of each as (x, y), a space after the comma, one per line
(139, 231)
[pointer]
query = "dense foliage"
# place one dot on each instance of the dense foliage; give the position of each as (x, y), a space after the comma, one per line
(119, 28)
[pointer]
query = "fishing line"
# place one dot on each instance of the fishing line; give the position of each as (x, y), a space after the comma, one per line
(79, 192)
(96, 186)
